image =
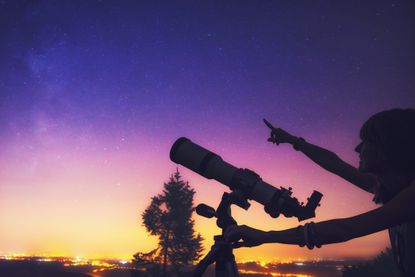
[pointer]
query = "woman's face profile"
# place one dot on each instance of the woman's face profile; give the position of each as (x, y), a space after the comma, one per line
(370, 156)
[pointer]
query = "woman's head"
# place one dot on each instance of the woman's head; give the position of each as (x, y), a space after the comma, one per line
(388, 142)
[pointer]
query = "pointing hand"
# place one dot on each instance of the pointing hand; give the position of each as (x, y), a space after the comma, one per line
(278, 135)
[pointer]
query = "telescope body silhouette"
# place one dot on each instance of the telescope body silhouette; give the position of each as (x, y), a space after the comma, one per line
(276, 201)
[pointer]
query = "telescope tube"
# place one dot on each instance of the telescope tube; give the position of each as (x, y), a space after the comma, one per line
(212, 166)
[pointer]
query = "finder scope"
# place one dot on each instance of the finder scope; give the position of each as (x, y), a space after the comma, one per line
(212, 166)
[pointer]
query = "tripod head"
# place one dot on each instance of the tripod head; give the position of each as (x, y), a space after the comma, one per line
(223, 212)
(221, 252)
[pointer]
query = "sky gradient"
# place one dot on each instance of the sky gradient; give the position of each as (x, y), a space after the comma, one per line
(94, 93)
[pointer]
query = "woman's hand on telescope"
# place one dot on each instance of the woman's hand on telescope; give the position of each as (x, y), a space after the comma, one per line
(250, 237)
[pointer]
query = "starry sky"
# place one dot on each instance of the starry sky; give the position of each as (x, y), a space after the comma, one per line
(94, 93)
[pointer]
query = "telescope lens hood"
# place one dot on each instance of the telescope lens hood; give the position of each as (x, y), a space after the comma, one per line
(175, 148)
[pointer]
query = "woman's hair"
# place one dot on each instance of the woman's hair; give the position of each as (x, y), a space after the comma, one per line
(393, 131)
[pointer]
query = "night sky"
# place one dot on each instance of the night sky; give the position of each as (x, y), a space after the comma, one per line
(94, 93)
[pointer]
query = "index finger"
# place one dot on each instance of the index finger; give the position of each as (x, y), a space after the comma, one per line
(269, 124)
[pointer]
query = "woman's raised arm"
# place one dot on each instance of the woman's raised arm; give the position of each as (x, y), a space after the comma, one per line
(324, 158)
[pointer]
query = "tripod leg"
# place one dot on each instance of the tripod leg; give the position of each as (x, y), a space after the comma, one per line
(226, 269)
(220, 269)
(205, 262)
(232, 269)
(225, 261)
(225, 264)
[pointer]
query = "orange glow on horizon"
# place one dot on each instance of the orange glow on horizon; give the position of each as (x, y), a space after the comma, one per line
(276, 274)
(91, 207)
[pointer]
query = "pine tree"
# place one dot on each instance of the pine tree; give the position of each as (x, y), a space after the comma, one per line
(169, 216)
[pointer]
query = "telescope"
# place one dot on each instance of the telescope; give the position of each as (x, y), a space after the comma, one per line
(276, 201)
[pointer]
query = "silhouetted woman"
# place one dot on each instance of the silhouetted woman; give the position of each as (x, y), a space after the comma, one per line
(386, 169)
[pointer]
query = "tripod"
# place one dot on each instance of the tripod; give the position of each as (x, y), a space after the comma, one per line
(221, 252)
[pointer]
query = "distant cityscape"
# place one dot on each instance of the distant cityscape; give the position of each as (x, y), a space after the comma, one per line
(24, 265)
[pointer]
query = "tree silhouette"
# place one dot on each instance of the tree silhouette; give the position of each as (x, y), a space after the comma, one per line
(149, 262)
(382, 265)
(169, 216)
